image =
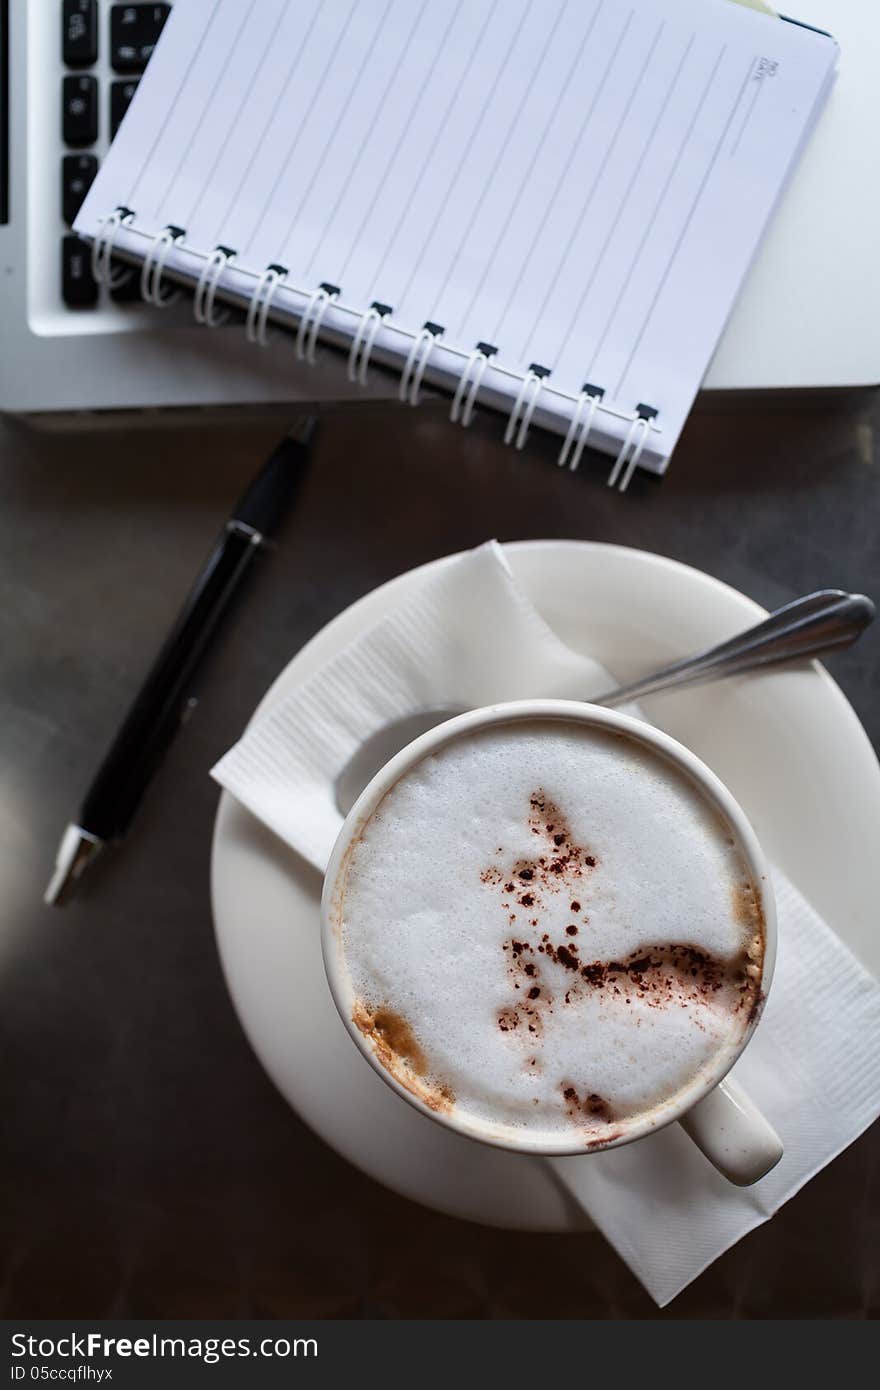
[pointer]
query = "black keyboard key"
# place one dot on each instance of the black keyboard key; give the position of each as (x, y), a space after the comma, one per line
(79, 105)
(77, 176)
(134, 33)
(121, 94)
(79, 288)
(79, 33)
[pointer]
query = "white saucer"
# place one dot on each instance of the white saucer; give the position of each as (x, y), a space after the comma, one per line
(787, 744)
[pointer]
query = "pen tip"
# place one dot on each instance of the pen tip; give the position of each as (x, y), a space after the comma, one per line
(77, 849)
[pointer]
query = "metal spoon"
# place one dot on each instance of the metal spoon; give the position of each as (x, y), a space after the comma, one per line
(825, 621)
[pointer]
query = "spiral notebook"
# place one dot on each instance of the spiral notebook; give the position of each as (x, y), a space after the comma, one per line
(543, 208)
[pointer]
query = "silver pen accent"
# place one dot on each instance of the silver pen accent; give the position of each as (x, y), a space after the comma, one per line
(77, 849)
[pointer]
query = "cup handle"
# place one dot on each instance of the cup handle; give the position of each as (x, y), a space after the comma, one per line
(731, 1131)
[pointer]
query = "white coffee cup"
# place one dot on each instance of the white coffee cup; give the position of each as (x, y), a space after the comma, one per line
(716, 1113)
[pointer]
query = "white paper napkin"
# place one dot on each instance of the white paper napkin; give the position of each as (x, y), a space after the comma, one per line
(470, 637)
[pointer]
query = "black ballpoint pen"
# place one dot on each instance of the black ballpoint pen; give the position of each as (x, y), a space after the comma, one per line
(161, 702)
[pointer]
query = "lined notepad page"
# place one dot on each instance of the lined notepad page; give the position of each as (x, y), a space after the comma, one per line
(580, 183)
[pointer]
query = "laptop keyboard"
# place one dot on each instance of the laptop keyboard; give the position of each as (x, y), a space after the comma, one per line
(86, 101)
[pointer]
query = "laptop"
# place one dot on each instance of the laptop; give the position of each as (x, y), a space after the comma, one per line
(68, 70)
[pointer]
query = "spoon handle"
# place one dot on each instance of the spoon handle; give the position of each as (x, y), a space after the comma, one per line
(825, 621)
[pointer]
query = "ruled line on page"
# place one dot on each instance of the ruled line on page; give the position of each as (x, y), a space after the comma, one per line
(169, 110)
(475, 131)
(539, 149)
(237, 115)
(563, 177)
(635, 176)
(750, 111)
(497, 164)
(585, 206)
(684, 231)
(405, 125)
(441, 128)
(223, 222)
(652, 220)
(194, 132)
(283, 167)
(499, 161)
(343, 112)
(367, 136)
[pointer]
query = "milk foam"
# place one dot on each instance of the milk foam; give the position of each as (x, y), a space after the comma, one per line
(552, 857)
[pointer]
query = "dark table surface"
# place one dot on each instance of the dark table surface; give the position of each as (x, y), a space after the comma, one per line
(148, 1167)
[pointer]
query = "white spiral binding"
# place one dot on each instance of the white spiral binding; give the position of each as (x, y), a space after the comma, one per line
(317, 320)
(154, 266)
(362, 344)
(102, 249)
(203, 300)
(636, 440)
(369, 322)
(261, 302)
(526, 400)
(579, 429)
(469, 383)
(414, 367)
(310, 323)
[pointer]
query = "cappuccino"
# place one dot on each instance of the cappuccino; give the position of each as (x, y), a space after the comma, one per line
(549, 930)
